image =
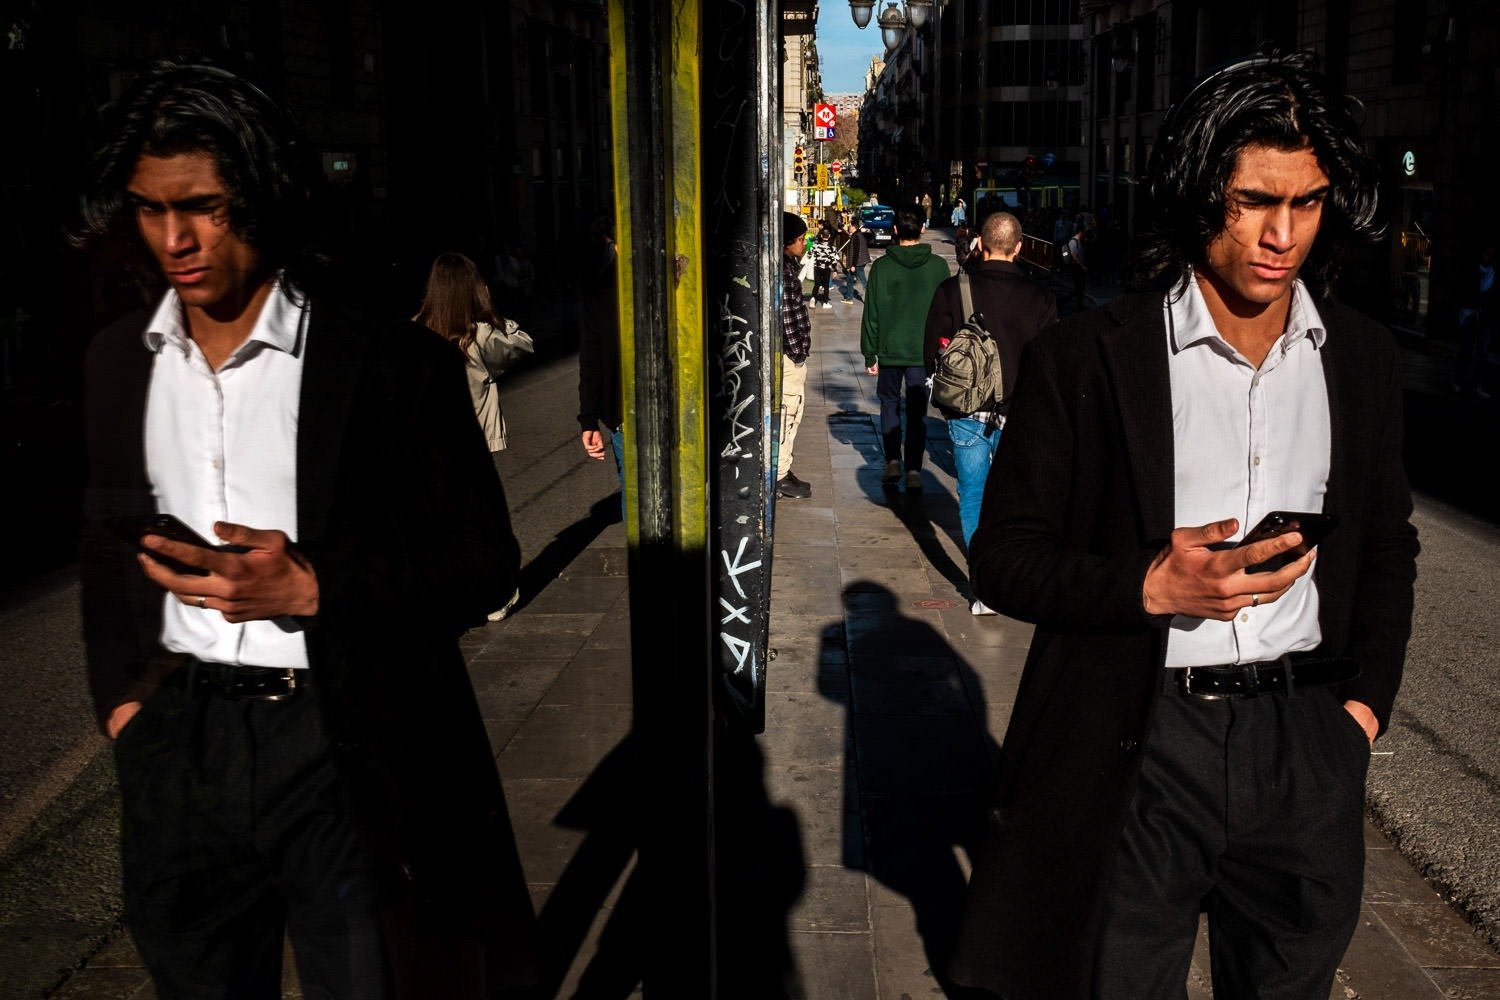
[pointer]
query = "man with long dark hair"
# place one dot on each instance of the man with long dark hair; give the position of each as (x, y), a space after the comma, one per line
(1192, 729)
(298, 747)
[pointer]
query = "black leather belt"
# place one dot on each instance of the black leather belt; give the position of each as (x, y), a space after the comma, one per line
(246, 683)
(1246, 680)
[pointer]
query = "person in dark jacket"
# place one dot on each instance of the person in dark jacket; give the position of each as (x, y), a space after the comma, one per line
(600, 401)
(901, 287)
(299, 751)
(1014, 309)
(856, 257)
(1191, 731)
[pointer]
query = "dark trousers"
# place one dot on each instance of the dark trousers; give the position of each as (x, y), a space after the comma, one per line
(237, 831)
(891, 385)
(1252, 811)
(822, 276)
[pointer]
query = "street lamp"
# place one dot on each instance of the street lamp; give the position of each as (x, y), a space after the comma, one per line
(892, 20)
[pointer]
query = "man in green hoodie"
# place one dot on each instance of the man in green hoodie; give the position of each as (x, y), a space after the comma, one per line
(897, 297)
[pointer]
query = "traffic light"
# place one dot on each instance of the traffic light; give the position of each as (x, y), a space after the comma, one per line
(797, 167)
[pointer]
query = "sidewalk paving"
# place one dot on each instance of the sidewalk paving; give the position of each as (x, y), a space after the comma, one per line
(886, 705)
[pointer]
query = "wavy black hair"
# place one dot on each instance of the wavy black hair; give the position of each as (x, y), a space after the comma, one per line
(1275, 100)
(180, 107)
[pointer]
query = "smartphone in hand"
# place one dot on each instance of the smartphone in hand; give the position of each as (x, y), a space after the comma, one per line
(133, 528)
(1313, 527)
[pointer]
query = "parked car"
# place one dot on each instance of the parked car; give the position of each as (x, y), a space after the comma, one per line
(879, 224)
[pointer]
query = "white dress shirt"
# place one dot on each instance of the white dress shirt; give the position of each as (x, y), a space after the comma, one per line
(1247, 441)
(222, 446)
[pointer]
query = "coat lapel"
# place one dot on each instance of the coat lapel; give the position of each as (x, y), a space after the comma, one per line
(330, 372)
(1136, 354)
(1337, 361)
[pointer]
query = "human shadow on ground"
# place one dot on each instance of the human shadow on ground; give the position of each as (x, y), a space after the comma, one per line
(916, 725)
(924, 512)
(759, 877)
(566, 546)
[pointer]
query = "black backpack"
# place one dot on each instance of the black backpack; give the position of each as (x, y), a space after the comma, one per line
(966, 378)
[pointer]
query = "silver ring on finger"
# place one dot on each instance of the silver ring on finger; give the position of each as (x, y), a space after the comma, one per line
(202, 601)
(1254, 601)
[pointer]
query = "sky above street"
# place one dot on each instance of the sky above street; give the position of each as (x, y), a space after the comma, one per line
(845, 51)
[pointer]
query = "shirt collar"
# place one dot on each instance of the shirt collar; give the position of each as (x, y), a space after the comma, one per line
(280, 324)
(1190, 321)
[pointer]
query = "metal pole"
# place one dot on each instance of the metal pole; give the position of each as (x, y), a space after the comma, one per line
(655, 49)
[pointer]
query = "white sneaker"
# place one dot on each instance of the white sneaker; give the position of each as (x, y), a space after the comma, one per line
(500, 614)
(979, 608)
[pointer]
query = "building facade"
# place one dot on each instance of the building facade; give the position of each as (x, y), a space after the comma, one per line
(1423, 72)
(1006, 88)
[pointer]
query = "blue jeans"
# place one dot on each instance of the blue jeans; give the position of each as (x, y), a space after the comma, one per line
(617, 445)
(974, 443)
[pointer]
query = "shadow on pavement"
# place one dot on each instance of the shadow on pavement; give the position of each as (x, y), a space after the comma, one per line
(566, 546)
(760, 877)
(915, 714)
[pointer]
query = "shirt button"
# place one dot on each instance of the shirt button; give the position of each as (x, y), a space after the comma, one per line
(1245, 617)
(1257, 459)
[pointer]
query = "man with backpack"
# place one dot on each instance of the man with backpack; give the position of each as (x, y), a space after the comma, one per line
(1012, 309)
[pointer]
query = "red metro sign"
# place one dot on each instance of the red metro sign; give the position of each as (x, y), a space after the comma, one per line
(824, 120)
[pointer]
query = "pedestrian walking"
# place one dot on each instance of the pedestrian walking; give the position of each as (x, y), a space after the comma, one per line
(901, 286)
(1193, 726)
(926, 204)
(298, 748)
(1075, 265)
(796, 345)
(1014, 309)
(457, 306)
(600, 397)
(856, 259)
(825, 259)
(960, 216)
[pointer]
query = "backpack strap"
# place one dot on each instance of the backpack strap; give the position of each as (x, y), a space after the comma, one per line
(965, 298)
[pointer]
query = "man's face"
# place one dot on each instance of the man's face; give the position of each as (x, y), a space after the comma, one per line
(1273, 207)
(797, 247)
(182, 209)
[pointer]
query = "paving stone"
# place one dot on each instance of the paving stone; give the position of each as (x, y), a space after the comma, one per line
(835, 966)
(911, 946)
(564, 741)
(1377, 967)
(830, 830)
(834, 899)
(1436, 936)
(583, 682)
(1390, 878)
(577, 595)
(1467, 984)
(511, 689)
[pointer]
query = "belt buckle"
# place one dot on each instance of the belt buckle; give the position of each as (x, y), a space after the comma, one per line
(290, 679)
(245, 689)
(1185, 684)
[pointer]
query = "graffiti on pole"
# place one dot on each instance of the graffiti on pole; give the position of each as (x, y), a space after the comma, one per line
(743, 278)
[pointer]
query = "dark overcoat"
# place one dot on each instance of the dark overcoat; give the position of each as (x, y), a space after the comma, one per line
(404, 520)
(1079, 502)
